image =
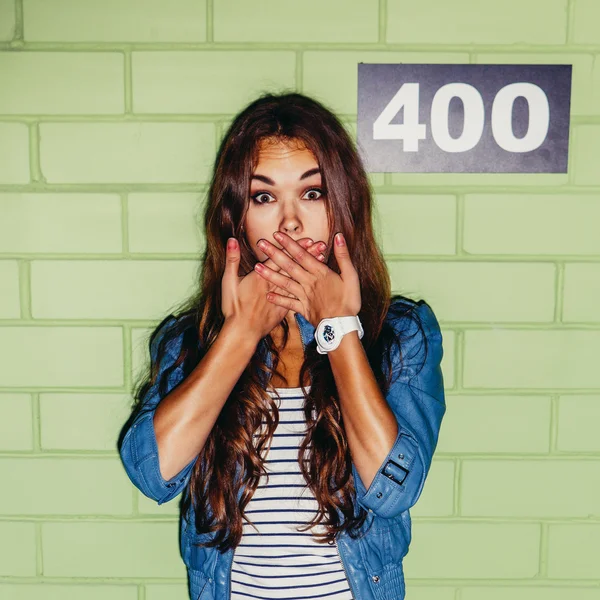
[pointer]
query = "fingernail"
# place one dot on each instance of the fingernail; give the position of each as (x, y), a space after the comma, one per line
(231, 244)
(339, 239)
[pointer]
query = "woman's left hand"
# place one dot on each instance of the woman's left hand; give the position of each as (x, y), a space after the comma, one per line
(320, 291)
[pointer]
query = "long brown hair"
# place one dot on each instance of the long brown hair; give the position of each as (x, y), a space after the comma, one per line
(327, 466)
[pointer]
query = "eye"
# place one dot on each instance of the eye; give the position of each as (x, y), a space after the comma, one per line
(315, 190)
(255, 197)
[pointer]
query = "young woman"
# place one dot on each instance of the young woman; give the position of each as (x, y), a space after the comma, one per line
(293, 400)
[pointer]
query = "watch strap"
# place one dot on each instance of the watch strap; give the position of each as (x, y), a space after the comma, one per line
(351, 323)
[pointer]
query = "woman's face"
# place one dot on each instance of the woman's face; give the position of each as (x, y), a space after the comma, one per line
(283, 197)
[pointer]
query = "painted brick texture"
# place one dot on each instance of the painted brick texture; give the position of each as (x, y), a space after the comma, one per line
(110, 116)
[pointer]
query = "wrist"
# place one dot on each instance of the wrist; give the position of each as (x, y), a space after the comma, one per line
(240, 333)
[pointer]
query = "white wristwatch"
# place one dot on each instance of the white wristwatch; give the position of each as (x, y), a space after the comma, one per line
(329, 332)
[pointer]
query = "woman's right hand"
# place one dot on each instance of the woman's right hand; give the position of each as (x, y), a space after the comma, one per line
(244, 299)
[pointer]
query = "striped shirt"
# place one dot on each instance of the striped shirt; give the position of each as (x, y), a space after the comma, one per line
(279, 562)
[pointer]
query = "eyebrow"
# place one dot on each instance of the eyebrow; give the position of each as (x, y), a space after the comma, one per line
(269, 181)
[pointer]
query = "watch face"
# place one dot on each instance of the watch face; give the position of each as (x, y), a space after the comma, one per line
(326, 335)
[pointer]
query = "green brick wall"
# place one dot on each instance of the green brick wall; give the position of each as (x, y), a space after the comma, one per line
(110, 116)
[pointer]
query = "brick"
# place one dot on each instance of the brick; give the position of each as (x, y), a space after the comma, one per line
(508, 423)
(488, 22)
(7, 20)
(9, 298)
(146, 506)
(78, 356)
(105, 549)
(585, 22)
(96, 289)
(68, 591)
(140, 349)
(546, 359)
(99, 417)
(17, 549)
(14, 153)
(581, 291)
(527, 488)
(437, 499)
(271, 21)
(164, 223)
(71, 486)
(586, 149)
(332, 75)
(71, 223)
(62, 83)
(596, 82)
(582, 101)
(16, 422)
(416, 223)
(543, 591)
(578, 418)
(480, 291)
(454, 550)
(126, 152)
(115, 21)
(478, 180)
(573, 551)
(428, 592)
(569, 221)
(176, 82)
(158, 591)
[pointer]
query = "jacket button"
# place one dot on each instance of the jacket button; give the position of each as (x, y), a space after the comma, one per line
(401, 456)
(375, 578)
(379, 494)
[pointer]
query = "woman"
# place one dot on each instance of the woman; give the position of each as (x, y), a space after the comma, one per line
(299, 440)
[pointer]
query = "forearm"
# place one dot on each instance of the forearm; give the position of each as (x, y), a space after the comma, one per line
(370, 425)
(184, 418)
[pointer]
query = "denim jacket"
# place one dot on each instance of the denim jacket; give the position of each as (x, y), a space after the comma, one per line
(373, 562)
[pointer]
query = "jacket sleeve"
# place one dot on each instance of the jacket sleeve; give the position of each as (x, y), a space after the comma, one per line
(139, 450)
(416, 396)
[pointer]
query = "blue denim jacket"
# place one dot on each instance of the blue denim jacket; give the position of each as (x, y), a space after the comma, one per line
(373, 562)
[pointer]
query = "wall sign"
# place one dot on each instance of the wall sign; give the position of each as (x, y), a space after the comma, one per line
(447, 118)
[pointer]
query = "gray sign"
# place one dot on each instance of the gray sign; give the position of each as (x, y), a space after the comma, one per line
(445, 118)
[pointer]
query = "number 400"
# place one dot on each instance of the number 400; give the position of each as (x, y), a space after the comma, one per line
(411, 131)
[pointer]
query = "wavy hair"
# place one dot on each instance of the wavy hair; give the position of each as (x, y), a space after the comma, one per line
(324, 455)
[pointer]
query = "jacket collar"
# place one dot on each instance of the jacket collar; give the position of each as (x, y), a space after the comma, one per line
(307, 330)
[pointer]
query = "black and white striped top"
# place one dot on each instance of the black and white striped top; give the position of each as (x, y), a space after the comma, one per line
(279, 562)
